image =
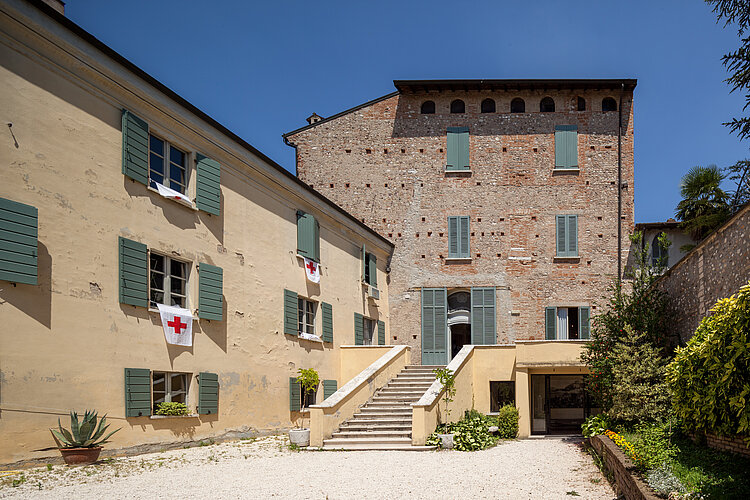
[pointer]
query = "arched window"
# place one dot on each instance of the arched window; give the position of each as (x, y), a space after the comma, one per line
(458, 106)
(659, 254)
(547, 105)
(517, 105)
(428, 108)
(581, 104)
(609, 104)
(488, 106)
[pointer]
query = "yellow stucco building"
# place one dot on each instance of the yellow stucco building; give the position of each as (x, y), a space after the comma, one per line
(118, 196)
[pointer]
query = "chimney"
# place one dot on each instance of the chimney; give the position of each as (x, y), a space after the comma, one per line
(58, 5)
(314, 118)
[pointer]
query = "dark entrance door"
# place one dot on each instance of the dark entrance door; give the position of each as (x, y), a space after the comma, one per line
(559, 404)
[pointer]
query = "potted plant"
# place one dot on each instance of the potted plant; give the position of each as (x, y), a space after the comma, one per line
(308, 380)
(448, 379)
(82, 443)
(172, 409)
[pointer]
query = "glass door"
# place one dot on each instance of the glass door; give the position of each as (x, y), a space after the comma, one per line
(538, 404)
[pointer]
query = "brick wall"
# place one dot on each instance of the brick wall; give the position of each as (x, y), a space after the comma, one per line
(734, 444)
(622, 470)
(715, 269)
(385, 163)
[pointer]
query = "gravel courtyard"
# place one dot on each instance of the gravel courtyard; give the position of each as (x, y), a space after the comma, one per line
(266, 468)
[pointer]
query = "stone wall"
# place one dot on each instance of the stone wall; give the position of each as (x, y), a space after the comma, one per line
(734, 444)
(715, 269)
(622, 470)
(385, 163)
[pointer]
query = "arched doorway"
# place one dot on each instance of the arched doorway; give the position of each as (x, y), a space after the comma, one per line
(459, 320)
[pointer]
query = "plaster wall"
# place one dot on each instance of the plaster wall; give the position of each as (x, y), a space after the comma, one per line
(65, 342)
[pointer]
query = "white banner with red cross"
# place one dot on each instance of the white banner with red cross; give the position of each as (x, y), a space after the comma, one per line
(177, 323)
(312, 270)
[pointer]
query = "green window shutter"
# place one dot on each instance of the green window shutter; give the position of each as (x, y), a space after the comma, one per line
(561, 236)
(295, 394)
(457, 144)
(571, 231)
(381, 333)
(137, 392)
(584, 315)
(453, 246)
(483, 318)
(463, 240)
(208, 185)
(291, 319)
(372, 279)
(434, 326)
(18, 242)
(208, 393)
(364, 267)
(566, 146)
(134, 147)
(210, 292)
(308, 236)
(327, 311)
(329, 387)
(359, 330)
(133, 271)
(550, 327)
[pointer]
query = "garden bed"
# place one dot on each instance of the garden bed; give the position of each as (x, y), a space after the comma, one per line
(622, 470)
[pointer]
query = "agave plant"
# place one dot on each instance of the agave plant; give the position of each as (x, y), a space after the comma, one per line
(86, 434)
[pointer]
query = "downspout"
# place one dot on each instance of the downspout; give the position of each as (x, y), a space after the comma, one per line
(619, 191)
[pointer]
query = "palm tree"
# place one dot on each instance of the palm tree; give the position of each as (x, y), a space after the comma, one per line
(704, 206)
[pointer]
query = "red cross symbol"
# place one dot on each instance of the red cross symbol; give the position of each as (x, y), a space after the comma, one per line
(177, 324)
(311, 266)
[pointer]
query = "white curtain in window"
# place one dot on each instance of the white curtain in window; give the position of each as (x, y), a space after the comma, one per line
(562, 323)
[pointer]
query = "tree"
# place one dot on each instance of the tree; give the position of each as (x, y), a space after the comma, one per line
(738, 64)
(639, 304)
(704, 206)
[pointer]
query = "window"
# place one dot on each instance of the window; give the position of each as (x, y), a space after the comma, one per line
(501, 394)
(368, 331)
(488, 106)
(659, 254)
(305, 316)
(566, 235)
(457, 154)
(517, 105)
(168, 281)
(547, 105)
(581, 104)
(167, 165)
(567, 323)
(369, 268)
(428, 108)
(169, 387)
(458, 106)
(609, 104)
(566, 146)
(311, 397)
(458, 237)
(308, 236)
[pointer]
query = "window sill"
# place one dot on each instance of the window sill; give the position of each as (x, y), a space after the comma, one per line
(303, 257)
(556, 258)
(185, 204)
(154, 310)
(310, 338)
(162, 417)
(458, 173)
(457, 260)
(562, 171)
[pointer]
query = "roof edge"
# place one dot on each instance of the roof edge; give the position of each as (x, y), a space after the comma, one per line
(342, 113)
(171, 94)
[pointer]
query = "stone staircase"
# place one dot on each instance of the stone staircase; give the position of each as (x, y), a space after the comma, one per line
(384, 422)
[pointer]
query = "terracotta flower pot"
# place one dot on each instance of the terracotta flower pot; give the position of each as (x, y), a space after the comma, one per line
(80, 456)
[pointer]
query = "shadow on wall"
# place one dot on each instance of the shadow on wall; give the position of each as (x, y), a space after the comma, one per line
(34, 301)
(214, 330)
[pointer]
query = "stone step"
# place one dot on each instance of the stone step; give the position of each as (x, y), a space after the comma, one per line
(397, 391)
(423, 367)
(403, 441)
(354, 434)
(374, 426)
(384, 413)
(369, 420)
(397, 398)
(374, 447)
(422, 386)
(390, 403)
(415, 377)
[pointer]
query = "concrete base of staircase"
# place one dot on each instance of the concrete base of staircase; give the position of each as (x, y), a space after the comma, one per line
(384, 422)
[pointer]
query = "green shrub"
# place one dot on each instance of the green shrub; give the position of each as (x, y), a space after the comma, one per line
(639, 390)
(653, 446)
(595, 425)
(709, 377)
(171, 408)
(470, 433)
(507, 422)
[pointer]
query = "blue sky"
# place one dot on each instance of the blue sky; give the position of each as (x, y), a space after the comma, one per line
(260, 68)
